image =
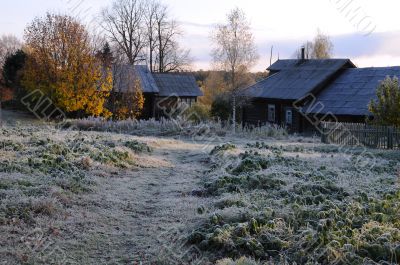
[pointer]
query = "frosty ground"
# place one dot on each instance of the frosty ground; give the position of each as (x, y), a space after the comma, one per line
(90, 197)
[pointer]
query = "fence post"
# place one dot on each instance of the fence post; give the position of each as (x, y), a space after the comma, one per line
(364, 134)
(390, 137)
(323, 135)
(386, 137)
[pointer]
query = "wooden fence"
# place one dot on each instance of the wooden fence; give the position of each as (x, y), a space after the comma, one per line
(359, 134)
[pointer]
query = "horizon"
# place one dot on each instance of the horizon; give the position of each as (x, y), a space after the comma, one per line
(361, 31)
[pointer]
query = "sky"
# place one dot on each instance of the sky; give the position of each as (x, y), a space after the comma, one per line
(366, 31)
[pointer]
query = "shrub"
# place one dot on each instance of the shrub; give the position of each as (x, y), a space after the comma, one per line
(222, 148)
(386, 108)
(245, 183)
(221, 108)
(138, 147)
(251, 162)
(198, 113)
(241, 261)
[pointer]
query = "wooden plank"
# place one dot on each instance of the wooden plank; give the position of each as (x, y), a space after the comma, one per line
(359, 134)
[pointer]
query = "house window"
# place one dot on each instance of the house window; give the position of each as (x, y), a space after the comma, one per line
(271, 113)
(289, 117)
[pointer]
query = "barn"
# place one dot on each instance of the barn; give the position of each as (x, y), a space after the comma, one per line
(161, 90)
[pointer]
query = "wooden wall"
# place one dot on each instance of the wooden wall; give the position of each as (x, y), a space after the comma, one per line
(149, 104)
(256, 113)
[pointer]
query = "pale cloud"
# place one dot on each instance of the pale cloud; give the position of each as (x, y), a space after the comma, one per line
(379, 60)
(285, 24)
(197, 25)
(378, 49)
(391, 44)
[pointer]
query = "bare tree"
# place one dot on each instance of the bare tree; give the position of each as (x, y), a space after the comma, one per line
(320, 48)
(308, 47)
(124, 23)
(138, 27)
(174, 58)
(153, 9)
(9, 44)
(235, 52)
(169, 56)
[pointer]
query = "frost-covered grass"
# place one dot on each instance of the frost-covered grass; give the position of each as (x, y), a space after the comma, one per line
(264, 200)
(178, 126)
(61, 158)
(300, 203)
(41, 171)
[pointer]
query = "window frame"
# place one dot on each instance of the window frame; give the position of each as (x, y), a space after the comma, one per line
(289, 121)
(271, 113)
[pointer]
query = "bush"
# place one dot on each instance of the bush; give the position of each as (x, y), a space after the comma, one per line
(221, 108)
(387, 106)
(222, 148)
(138, 147)
(198, 113)
(241, 261)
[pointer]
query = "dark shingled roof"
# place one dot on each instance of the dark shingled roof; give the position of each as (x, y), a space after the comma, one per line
(164, 85)
(177, 84)
(352, 91)
(125, 75)
(296, 78)
(146, 78)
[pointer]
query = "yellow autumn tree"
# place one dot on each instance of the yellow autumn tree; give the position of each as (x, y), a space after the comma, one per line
(130, 105)
(62, 64)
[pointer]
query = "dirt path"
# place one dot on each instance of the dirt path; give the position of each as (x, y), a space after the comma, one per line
(140, 216)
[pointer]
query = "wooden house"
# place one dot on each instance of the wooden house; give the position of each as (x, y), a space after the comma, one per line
(161, 90)
(300, 93)
(346, 99)
(289, 81)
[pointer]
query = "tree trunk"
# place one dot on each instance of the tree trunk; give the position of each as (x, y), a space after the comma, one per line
(233, 99)
(234, 113)
(160, 50)
(1, 116)
(151, 57)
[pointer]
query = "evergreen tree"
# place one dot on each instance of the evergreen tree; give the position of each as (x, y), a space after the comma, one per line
(106, 56)
(12, 69)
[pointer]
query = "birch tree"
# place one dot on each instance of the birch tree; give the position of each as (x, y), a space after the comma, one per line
(320, 48)
(235, 52)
